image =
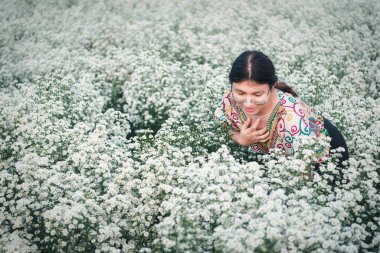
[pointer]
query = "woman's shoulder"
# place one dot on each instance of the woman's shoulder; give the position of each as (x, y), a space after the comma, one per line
(300, 117)
(288, 99)
(227, 111)
(227, 91)
(296, 105)
(226, 96)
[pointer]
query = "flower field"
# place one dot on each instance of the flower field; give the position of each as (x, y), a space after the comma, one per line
(107, 137)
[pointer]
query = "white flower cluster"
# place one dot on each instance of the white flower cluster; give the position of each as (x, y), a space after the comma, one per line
(107, 138)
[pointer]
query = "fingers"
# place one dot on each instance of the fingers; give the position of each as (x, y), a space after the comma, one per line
(255, 124)
(252, 134)
(261, 131)
(258, 136)
(246, 123)
(264, 137)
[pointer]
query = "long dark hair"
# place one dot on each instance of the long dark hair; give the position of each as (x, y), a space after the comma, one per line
(256, 66)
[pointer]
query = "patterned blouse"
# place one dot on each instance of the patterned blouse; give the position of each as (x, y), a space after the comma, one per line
(290, 118)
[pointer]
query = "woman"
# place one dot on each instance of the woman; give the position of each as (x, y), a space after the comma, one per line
(262, 113)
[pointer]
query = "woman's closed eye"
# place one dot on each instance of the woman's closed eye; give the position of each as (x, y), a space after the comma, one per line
(254, 95)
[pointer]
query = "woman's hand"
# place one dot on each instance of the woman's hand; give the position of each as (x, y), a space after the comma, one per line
(249, 135)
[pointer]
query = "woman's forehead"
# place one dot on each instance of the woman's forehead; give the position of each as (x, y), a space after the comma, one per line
(250, 86)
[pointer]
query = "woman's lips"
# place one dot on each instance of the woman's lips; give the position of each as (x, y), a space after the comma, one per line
(250, 109)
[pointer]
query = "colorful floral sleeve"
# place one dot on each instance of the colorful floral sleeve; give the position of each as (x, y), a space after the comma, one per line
(225, 113)
(220, 117)
(301, 121)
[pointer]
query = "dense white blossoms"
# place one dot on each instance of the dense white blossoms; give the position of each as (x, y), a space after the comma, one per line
(107, 142)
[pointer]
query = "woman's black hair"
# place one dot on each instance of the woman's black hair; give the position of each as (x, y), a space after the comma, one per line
(256, 66)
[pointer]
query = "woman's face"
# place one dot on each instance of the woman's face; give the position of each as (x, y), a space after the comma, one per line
(251, 96)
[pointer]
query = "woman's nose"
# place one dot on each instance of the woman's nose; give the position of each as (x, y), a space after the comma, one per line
(247, 101)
